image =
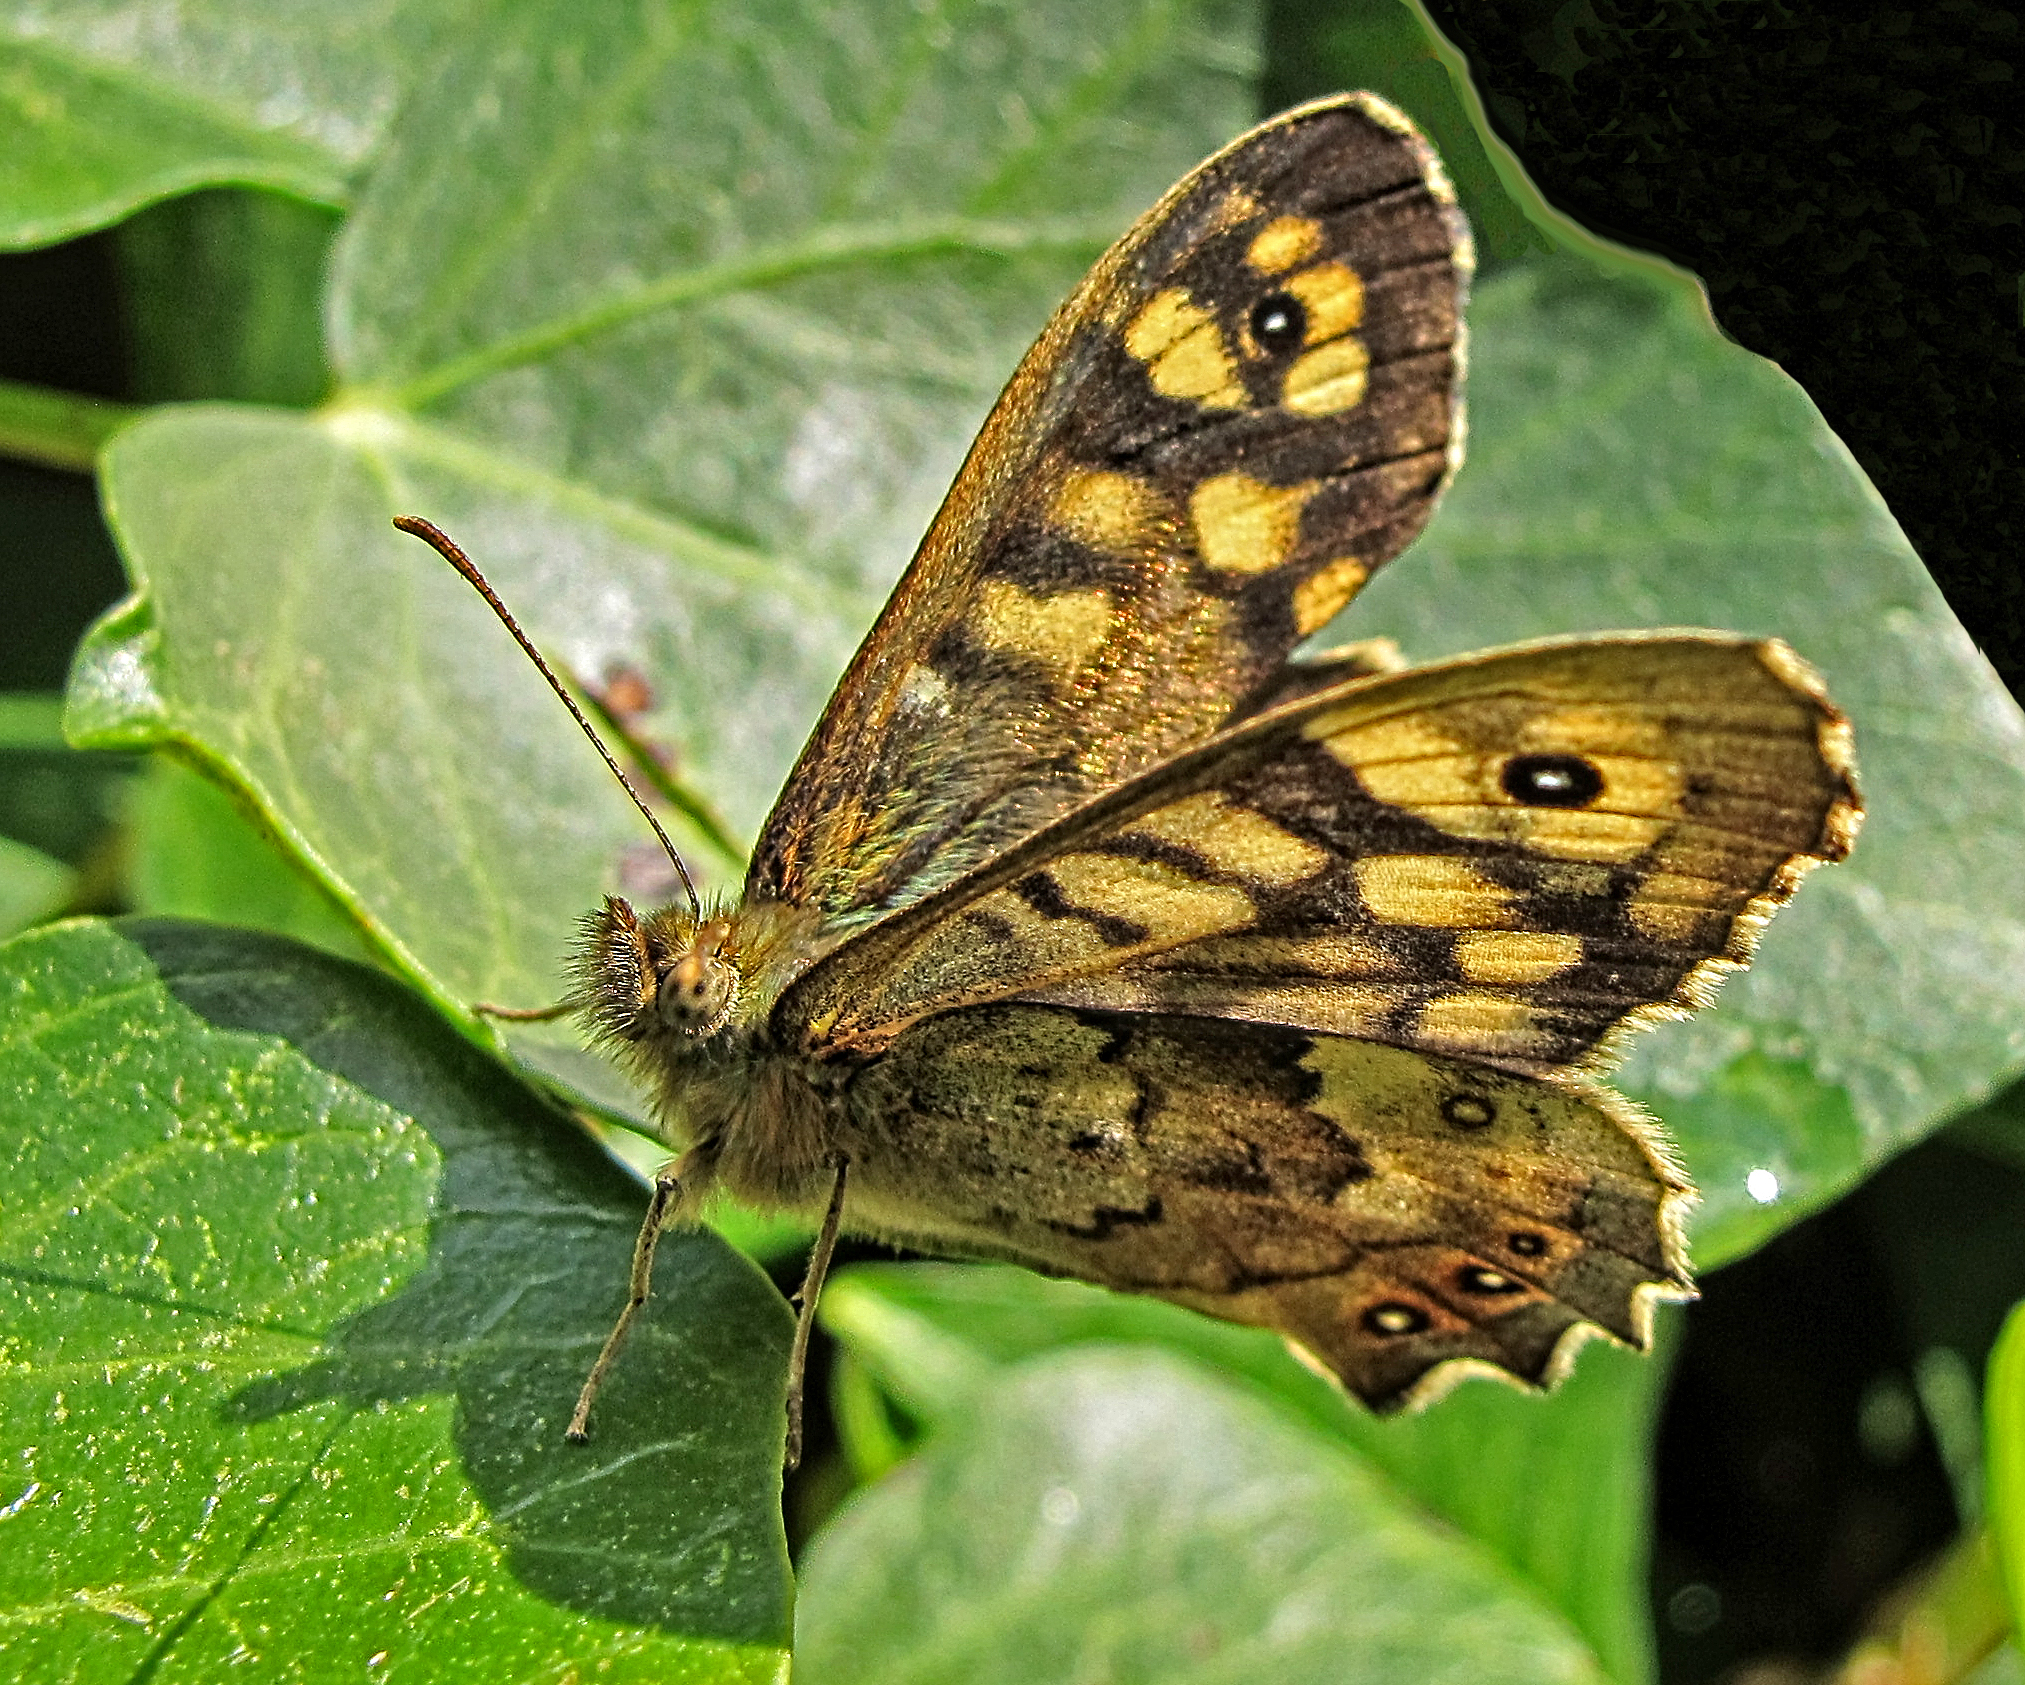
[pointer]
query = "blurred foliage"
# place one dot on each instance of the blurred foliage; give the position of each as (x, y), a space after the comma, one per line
(681, 320)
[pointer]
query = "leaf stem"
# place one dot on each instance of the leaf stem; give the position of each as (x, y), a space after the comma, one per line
(57, 429)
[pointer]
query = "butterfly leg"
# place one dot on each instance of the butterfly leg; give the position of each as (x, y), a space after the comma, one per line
(670, 1195)
(812, 1287)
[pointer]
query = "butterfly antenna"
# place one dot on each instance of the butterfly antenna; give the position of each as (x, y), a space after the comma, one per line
(440, 542)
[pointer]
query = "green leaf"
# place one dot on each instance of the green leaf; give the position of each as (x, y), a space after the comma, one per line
(1124, 1515)
(195, 855)
(223, 297)
(55, 809)
(2004, 1453)
(107, 105)
(32, 885)
(688, 394)
(1631, 468)
(298, 1291)
(1556, 1489)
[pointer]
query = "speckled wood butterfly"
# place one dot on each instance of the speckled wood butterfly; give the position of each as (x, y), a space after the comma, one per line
(1093, 933)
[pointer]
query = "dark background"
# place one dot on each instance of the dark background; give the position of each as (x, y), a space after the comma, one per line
(1847, 180)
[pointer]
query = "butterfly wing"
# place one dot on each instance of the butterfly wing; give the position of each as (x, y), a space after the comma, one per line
(1508, 858)
(1392, 1214)
(1247, 407)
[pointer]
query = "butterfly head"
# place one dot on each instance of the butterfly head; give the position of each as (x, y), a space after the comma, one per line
(669, 977)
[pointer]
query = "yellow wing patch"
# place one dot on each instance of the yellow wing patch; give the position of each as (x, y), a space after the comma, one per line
(1332, 296)
(1320, 597)
(1062, 632)
(1516, 956)
(1433, 891)
(1118, 514)
(1284, 242)
(1235, 839)
(1329, 379)
(1184, 352)
(1243, 525)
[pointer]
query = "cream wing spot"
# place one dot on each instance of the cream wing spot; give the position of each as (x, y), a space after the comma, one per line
(1246, 526)
(1349, 1009)
(1477, 1021)
(1516, 956)
(923, 689)
(1434, 890)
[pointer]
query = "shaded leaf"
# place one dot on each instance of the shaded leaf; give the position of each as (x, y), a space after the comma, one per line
(1123, 1515)
(299, 1288)
(222, 294)
(195, 855)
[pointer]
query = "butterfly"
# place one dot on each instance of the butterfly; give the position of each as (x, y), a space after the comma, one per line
(1095, 932)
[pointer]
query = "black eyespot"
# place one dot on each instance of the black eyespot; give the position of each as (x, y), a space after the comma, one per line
(1527, 1245)
(1395, 1319)
(1468, 1111)
(1552, 780)
(1279, 323)
(1475, 1278)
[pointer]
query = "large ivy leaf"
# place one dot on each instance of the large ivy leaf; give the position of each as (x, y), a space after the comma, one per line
(1557, 1489)
(1125, 1515)
(688, 393)
(295, 1284)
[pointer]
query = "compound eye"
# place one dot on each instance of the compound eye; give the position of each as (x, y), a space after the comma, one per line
(695, 994)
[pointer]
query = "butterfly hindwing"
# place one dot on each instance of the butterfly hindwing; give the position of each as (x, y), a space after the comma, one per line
(1391, 1213)
(1248, 406)
(1506, 857)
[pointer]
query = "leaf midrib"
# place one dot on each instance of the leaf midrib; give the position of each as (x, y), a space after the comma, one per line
(837, 247)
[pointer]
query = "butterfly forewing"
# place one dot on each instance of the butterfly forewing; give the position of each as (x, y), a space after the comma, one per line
(1249, 406)
(1505, 857)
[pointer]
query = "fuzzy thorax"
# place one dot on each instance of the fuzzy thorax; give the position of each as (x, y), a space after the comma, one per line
(684, 1003)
